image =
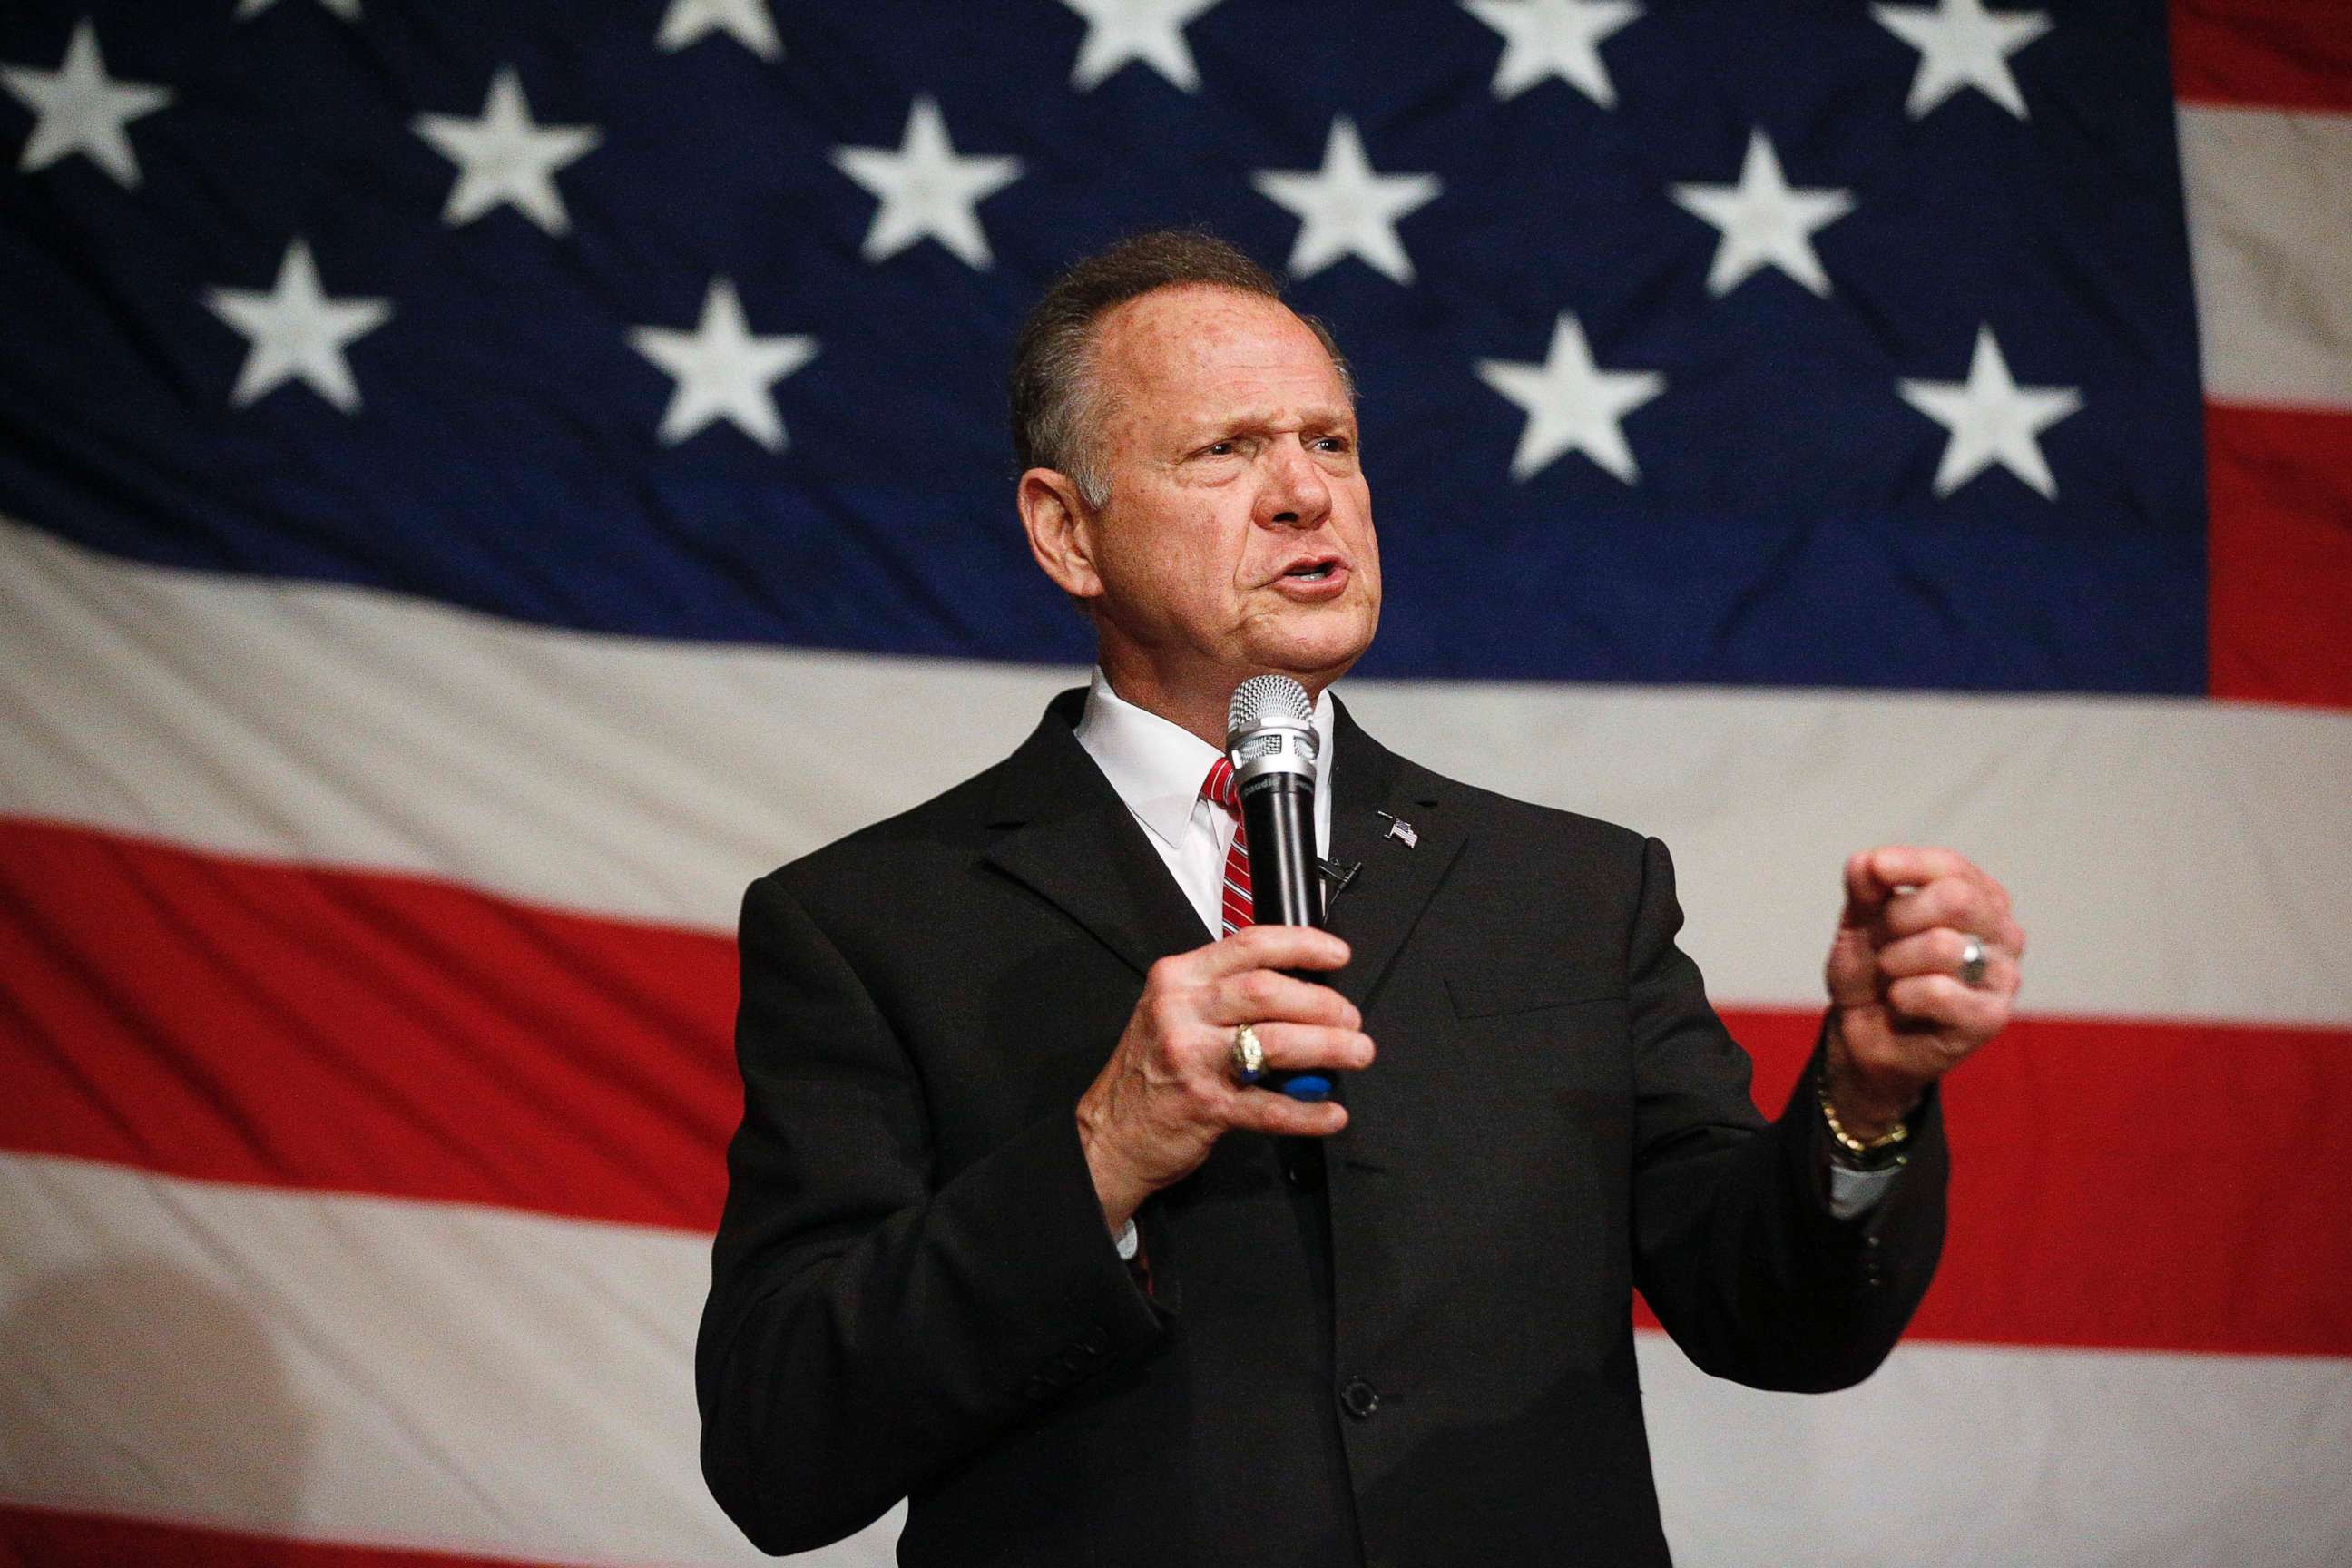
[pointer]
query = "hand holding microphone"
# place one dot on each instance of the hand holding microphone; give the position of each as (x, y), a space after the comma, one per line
(1170, 1090)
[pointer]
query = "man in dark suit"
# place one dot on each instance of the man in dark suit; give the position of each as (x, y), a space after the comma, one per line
(1010, 1233)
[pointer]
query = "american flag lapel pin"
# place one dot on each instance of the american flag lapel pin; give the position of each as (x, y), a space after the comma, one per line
(1400, 828)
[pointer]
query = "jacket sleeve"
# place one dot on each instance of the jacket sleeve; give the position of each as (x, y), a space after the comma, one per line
(1736, 1247)
(869, 1324)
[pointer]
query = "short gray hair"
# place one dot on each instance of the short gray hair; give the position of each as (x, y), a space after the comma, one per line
(1057, 419)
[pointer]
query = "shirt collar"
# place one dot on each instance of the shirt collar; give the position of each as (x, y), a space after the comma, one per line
(1157, 767)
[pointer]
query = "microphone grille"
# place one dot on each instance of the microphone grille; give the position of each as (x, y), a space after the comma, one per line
(1265, 696)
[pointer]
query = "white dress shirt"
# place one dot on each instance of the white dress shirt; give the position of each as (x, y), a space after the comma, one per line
(1158, 769)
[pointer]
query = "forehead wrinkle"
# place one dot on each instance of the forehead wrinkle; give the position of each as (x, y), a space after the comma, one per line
(1157, 353)
(1265, 421)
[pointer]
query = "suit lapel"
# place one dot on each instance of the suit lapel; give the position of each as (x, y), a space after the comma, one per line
(1065, 834)
(1396, 878)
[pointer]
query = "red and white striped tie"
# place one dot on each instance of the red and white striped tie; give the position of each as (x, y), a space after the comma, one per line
(1218, 790)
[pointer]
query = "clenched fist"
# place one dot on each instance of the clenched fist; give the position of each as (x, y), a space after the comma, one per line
(1901, 1012)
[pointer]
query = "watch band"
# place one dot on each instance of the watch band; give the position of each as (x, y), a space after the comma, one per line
(1865, 1154)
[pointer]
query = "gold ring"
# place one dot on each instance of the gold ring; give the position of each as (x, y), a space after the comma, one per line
(1249, 1055)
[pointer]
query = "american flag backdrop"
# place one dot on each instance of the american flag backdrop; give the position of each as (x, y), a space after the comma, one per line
(480, 483)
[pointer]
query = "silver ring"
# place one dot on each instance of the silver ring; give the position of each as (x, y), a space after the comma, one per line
(1249, 1056)
(1973, 963)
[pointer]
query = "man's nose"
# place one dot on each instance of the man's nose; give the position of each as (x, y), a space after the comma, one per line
(1295, 494)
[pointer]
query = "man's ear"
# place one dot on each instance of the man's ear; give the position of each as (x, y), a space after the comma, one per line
(1061, 531)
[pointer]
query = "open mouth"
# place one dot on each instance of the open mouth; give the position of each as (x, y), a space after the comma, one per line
(1313, 571)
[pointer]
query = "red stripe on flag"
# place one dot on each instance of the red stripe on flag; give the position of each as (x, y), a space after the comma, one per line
(2279, 549)
(32, 1536)
(2134, 1185)
(212, 1018)
(2272, 54)
(2137, 1185)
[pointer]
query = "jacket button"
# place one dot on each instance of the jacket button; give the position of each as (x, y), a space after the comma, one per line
(1358, 1398)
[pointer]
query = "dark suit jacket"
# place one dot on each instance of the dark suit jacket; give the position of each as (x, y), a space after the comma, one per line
(1410, 1346)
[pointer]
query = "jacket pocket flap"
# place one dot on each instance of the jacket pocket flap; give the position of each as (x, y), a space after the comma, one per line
(1477, 996)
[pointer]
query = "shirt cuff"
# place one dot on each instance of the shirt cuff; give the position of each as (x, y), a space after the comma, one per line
(1854, 1193)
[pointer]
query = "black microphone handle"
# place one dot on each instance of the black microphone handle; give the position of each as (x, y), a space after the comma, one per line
(1286, 885)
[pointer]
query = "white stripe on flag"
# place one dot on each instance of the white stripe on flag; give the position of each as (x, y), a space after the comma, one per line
(437, 1376)
(2269, 229)
(2183, 859)
(350, 1369)
(2172, 860)
(1997, 1455)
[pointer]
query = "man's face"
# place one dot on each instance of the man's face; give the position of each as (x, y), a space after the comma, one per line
(1238, 537)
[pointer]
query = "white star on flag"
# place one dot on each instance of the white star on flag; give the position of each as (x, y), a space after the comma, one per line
(1151, 31)
(1345, 209)
(1991, 420)
(1764, 221)
(296, 332)
(1554, 37)
(349, 10)
(1571, 404)
(503, 157)
(82, 110)
(748, 22)
(722, 371)
(1962, 44)
(925, 187)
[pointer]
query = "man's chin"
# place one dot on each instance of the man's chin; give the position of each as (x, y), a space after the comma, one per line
(1314, 657)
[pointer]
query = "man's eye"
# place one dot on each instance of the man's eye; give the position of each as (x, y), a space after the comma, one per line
(1217, 449)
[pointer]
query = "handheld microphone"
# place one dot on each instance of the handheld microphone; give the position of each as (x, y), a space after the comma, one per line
(1270, 740)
